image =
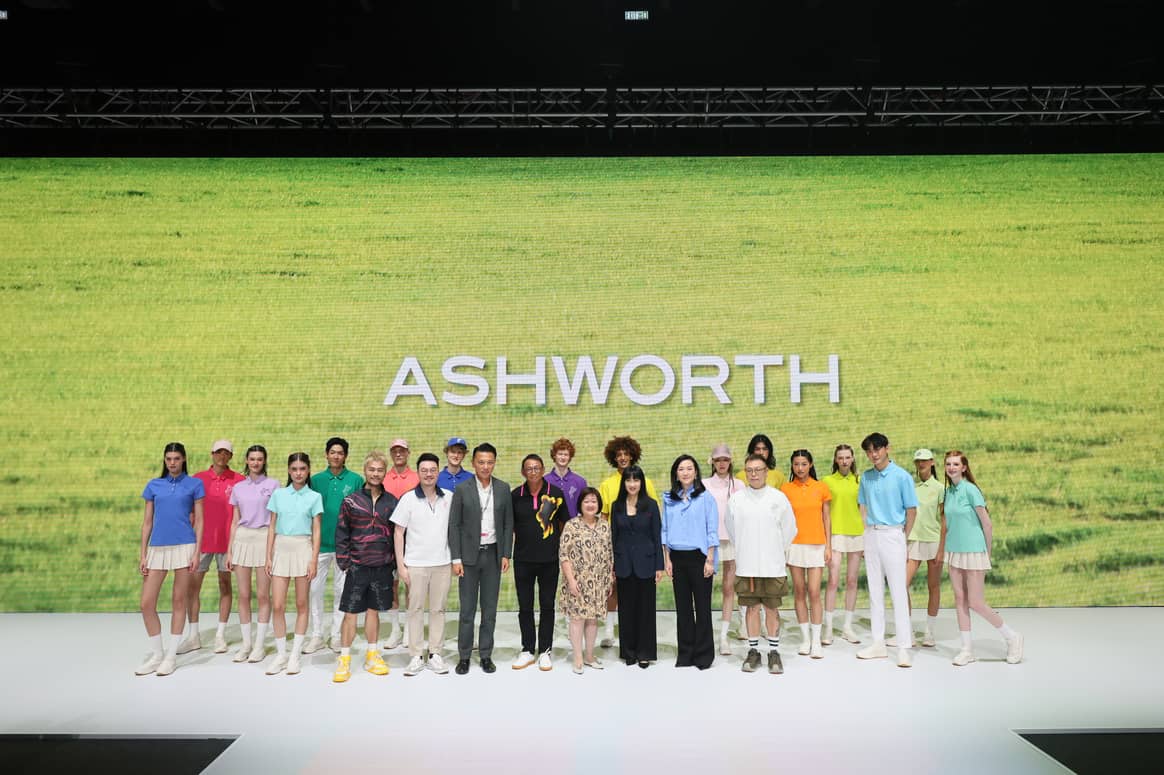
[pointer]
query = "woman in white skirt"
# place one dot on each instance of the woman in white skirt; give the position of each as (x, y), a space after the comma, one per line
(969, 539)
(926, 542)
(292, 549)
(171, 530)
(847, 542)
(248, 551)
(811, 549)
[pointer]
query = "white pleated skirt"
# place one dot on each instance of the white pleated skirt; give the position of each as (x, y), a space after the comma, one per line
(250, 547)
(169, 557)
(292, 555)
(968, 560)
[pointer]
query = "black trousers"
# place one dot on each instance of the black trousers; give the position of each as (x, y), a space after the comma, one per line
(545, 575)
(636, 619)
(692, 609)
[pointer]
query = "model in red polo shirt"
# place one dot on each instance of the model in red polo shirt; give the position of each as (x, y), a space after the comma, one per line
(400, 479)
(218, 480)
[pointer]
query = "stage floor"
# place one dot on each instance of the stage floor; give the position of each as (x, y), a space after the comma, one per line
(1085, 669)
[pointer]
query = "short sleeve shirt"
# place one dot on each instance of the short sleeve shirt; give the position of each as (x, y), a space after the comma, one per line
(333, 489)
(886, 495)
(808, 500)
(426, 542)
(173, 500)
(398, 484)
(844, 514)
(295, 509)
(250, 497)
(963, 529)
(609, 491)
(927, 526)
(217, 512)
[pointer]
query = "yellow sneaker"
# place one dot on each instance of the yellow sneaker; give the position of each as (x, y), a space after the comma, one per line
(343, 670)
(375, 664)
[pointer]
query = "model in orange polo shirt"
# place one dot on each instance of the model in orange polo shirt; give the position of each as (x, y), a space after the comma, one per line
(810, 550)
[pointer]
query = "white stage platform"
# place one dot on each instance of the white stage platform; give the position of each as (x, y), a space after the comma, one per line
(1093, 669)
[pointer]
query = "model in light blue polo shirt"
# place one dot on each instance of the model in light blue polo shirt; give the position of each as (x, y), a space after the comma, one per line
(963, 528)
(173, 499)
(295, 509)
(691, 523)
(886, 494)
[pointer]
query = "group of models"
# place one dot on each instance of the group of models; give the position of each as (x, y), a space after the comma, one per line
(396, 537)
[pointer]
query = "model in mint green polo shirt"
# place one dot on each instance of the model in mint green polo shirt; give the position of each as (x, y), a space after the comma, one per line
(962, 523)
(333, 488)
(927, 527)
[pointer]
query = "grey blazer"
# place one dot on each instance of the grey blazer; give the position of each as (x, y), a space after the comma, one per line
(465, 521)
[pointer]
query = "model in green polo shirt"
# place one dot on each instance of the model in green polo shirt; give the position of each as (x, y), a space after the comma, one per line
(333, 485)
(927, 539)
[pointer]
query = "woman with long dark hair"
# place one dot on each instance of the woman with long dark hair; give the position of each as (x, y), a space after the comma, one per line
(248, 551)
(690, 538)
(636, 532)
(810, 550)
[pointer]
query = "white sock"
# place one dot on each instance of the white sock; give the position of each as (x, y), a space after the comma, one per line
(281, 645)
(297, 644)
(848, 620)
(221, 631)
(394, 616)
(261, 632)
(828, 621)
(967, 644)
(723, 628)
(191, 629)
(345, 651)
(804, 632)
(931, 623)
(1006, 632)
(172, 650)
(815, 629)
(156, 644)
(608, 628)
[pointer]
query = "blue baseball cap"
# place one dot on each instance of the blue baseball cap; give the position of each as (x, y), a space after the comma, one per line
(457, 441)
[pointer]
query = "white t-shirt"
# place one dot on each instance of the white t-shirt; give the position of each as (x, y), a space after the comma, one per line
(426, 544)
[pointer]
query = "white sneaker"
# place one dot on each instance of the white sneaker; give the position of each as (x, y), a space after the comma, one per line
(335, 643)
(149, 665)
(903, 658)
(293, 664)
(545, 662)
(928, 639)
(891, 641)
(1014, 649)
(415, 666)
(394, 640)
(849, 635)
(258, 653)
(244, 652)
(524, 660)
(168, 665)
(964, 657)
(805, 649)
(219, 644)
(724, 647)
(278, 665)
(876, 650)
(816, 652)
(192, 643)
(313, 645)
(436, 663)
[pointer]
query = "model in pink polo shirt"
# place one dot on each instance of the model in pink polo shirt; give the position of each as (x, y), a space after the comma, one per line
(218, 480)
(400, 479)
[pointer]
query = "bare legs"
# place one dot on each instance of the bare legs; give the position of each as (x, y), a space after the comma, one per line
(150, 590)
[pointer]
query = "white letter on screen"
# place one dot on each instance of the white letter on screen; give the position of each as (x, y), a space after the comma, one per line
(572, 388)
(714, 383)
(410, 367)
(537, 380)
(832, 378)
(758, 362)
(450, 373)
(628, 370)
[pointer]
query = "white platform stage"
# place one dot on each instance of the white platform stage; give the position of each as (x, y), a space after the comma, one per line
(1085, 669)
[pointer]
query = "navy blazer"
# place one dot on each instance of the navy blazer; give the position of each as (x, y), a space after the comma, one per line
(637, 540)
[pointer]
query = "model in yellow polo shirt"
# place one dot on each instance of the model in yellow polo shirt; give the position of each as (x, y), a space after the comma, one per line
(927, 540)
(810, 550)
(848, 542)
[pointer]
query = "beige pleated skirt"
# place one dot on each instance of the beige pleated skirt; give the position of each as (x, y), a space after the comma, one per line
(250, 547)
(169, 557)
(727, 552)
(292, 555)
(922, 551)
(806, 555)
(843, 543)
(968, 560)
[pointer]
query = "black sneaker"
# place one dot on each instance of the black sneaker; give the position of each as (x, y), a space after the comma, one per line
(775, 666)
(752, 661)
(462, 667)
(487, 665)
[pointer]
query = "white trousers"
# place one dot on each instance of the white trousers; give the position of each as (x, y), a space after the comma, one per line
(315, 602)
(885, 551)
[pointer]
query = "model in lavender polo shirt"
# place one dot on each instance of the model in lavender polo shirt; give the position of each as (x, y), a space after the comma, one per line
(560, 476)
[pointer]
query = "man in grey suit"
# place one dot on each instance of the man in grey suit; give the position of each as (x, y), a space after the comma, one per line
(481, 543)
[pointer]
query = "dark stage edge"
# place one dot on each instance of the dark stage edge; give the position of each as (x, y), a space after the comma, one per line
(1086, 752)
(123, 755)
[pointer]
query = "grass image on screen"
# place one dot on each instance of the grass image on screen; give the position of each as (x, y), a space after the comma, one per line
(1007, 306)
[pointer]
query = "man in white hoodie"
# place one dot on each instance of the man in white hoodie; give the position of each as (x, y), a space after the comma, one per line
(761, 525)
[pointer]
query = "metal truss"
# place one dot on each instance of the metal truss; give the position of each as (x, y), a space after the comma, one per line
(580, 108)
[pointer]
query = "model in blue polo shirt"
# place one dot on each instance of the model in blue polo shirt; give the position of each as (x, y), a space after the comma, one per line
(969, 539)
(170, 532)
